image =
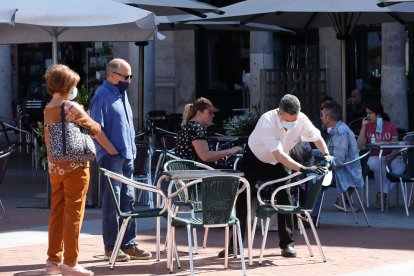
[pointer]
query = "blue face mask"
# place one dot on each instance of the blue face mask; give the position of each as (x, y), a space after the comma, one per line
(122, 86)
(289, 125)
(73, 94)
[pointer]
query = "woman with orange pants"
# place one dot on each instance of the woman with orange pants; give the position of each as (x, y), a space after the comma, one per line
(69, 180)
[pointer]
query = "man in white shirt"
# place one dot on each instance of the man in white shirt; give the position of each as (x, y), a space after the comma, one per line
(267, 157)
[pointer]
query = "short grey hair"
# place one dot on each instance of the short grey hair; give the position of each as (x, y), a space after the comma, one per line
(289, 104)
(115, 64)
(333, 110)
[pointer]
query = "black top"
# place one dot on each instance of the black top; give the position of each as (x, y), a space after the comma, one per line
(191, 131)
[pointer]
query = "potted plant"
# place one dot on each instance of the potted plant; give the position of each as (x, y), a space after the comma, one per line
(242, 125)
(84, 97)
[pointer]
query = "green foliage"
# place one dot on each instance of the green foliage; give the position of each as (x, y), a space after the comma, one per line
(242, 125)
(40, 133)
(84, 96)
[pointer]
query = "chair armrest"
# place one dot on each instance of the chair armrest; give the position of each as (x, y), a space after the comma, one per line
(138, 185)
(269, 183)
(352, 161)
(299, 182)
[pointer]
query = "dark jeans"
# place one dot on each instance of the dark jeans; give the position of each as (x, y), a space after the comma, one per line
(255, 170)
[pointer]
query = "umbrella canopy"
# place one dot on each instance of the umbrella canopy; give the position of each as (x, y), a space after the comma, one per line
(169, 23)
(76, 20)
(168, 7)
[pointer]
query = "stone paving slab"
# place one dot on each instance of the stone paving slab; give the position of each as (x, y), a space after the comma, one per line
(349, 250)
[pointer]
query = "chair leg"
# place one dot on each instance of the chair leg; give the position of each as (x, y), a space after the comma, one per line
(305, 235)
(118, 242)
(404, 195)
(411, 193)
(158, 234)
(4, 212)
(254, 228)
(350, 204)
(234, 243)
(264, 240)
(194, 235)
(190, 251)
(205, 237)
(362, 206)
(320, 208)
(366, 191)
(241, 249)
(315, 234)
(226, 246)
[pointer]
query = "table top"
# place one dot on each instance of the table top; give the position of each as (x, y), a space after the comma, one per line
(391, 145)
(195, 174)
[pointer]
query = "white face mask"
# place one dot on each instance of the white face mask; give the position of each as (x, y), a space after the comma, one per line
(73, 94)
(289, 125)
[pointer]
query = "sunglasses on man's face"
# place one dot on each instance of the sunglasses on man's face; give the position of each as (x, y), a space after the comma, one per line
(125, 77)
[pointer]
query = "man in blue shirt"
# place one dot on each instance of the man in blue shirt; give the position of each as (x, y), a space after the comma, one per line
(343, 146)
(111, 109)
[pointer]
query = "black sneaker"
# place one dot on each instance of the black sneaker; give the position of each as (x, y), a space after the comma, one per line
(288, 252)
(221, 253)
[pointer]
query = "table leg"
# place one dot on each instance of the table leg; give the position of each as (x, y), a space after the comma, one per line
(249, 224)
(380, 180)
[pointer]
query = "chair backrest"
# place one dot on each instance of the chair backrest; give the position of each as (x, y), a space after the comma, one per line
(173, 121)
(163, 157)
(314, 188)
(4, 158)
(183, 164)
(409, 138)
(219, 195)
(142, 162)
(364, 155)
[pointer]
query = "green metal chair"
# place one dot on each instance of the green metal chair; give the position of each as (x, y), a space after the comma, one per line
(125, 217)
(266, 211)
(219, 196)
(408, 175)
(189, 197)
(4, 158)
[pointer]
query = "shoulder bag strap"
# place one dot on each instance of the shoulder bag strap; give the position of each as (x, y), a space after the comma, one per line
(62, 120)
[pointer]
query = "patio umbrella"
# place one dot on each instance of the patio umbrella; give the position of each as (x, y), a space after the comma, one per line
(392, 2)
(342, 15)
(168, 7)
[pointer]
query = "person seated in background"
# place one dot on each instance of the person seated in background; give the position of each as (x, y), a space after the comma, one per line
(192, 137)
(355, 109)
(317, 122)
(343, 147)
(377, 125)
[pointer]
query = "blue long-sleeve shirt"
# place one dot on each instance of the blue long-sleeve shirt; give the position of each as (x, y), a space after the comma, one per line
(343, 146)
(111, 109)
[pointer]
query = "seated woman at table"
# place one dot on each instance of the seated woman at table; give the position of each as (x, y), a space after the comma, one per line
(192, 138)
(383, 132)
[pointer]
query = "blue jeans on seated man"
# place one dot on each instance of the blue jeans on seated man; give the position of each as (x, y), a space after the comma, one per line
(126, 197)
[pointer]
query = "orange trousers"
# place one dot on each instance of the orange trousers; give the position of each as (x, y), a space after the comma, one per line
(67, 211)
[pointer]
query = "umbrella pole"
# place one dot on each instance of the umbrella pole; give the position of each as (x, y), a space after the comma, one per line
(343, 80)
(54, 49)
(141, 46)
